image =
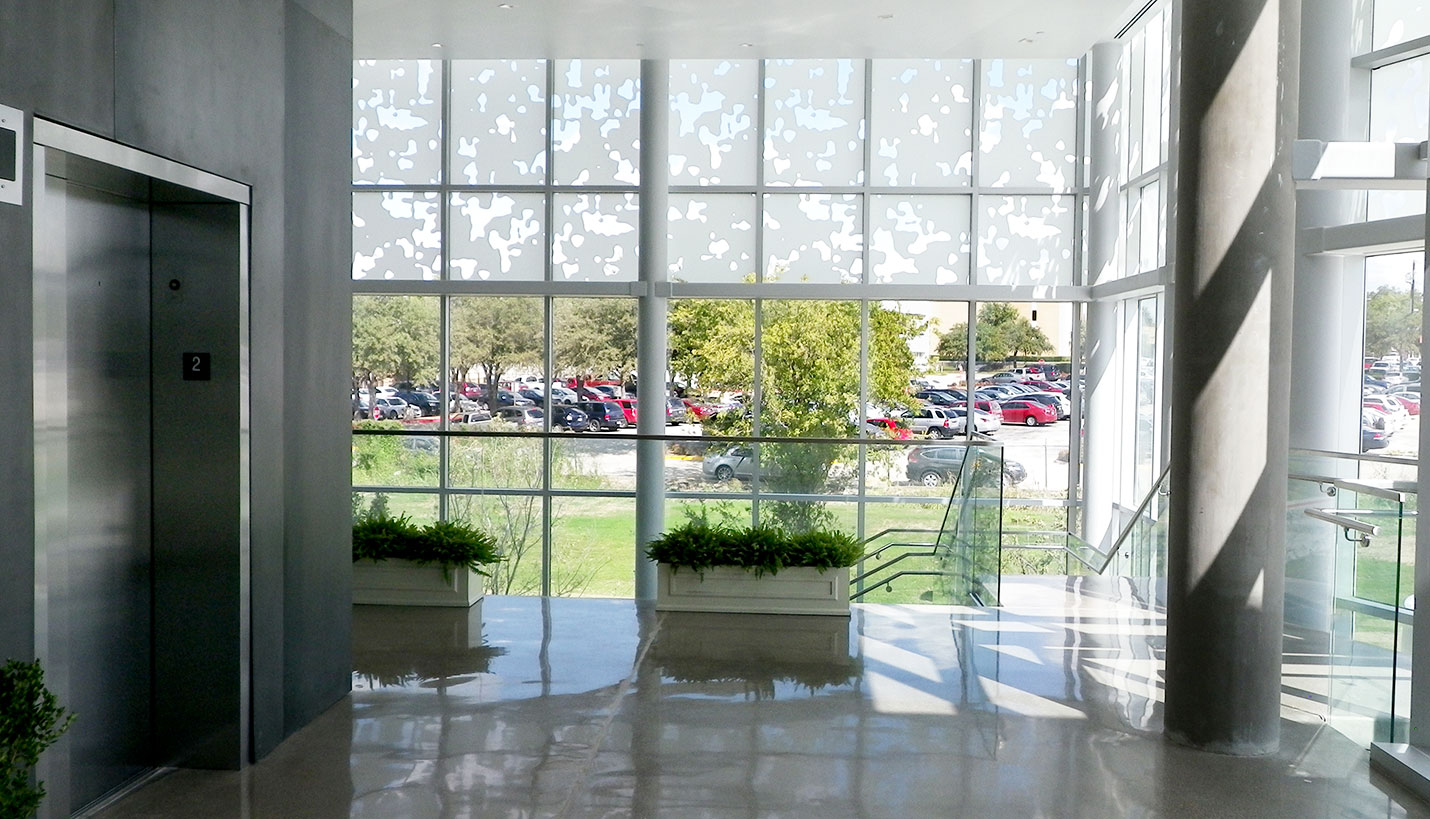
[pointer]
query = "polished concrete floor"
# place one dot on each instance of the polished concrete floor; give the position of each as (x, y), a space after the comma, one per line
(530, 707)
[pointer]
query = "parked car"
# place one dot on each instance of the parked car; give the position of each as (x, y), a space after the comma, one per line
(603, 414)
(934, 465)
(1373, 439)
(1409, 400)
(1391, 406)
(1027, 411)
(1054, 400)
(985, 423)
(425, 402)
(945, 398)
(524, 417)
(936, 422)
(570, 418)
(886, 428)
(738, 462)
(628, 408)
(675, 411)
(697, 411)
(990, 407)
(390, 407)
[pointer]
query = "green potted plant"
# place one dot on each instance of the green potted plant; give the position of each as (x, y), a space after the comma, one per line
(398, 563)
(31, 719)
(758, 569)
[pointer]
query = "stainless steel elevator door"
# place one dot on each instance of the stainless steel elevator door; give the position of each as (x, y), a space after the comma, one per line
(107, 592)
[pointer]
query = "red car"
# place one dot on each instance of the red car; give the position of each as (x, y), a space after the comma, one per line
(1028, 411)
(628, 406)
(887, 427)
(1411, 403)
(1045, 386)
(698, 411)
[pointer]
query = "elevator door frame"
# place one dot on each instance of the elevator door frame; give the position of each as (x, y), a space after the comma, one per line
(219, 690)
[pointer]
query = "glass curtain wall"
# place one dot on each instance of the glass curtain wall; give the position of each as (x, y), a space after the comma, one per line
(828, 221)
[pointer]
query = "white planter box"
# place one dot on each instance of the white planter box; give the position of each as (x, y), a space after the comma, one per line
(404, 583)
(799, 590)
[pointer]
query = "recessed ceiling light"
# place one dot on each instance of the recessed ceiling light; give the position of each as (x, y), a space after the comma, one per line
(747, 45)
(436, 45)
(886, 17)
(505, 6)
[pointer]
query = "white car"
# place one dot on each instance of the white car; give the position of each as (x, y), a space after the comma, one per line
(390, 406)
(1398, 416)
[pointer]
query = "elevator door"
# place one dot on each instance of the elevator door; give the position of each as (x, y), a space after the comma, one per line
(108, 562)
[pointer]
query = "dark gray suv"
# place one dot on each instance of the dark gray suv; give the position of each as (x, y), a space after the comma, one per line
(934, 465)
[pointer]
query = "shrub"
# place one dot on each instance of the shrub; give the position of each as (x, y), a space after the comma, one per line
(449, 544)
(30, 721)
(698, 545)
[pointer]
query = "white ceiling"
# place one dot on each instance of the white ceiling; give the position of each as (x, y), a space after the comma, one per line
(699, 29)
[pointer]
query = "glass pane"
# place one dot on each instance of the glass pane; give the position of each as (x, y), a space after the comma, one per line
(593, 547)
(394, 460)
(1399, 110)
(1152, 96)
(588, 462)
(1148, 365)
(1150, 227)
(397, 236)
(397, 122)
(712, 237)
(421, 508)
(1026, 240)
(1028, 136)
(922, 122)
(712, 353)
(712, 122)
(595, 355)
(494, 342)
(920, 239)
(595, 237)
(495, 463)
(809, 377)
(516, 523)
(730, 512)
(596, 122)
(1135, 101)
(395, 351)
(498, 236)
(814, 238)
(498, 122)
(814, 122)
(1399, 20)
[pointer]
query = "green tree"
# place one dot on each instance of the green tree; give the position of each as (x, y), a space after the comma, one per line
(1392, 322)
(395, 338)
(493, 335)
(1003, 334)
(809, 383)
(595, 338)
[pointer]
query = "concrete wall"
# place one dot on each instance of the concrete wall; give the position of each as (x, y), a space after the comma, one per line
(258, 91)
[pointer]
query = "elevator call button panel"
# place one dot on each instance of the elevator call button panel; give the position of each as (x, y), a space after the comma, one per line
(12, 164)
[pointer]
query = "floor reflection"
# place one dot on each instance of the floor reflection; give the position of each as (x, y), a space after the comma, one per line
(1049, 706)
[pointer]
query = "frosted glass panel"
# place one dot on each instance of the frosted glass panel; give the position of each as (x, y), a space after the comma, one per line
(1026, 240)
(1028, 137)
(396, 236)
(1136, 80)
(922, 122)
(919, 239)
(497, 236)
(596, 237)
(397, 122)
(814, 122)
(1399, 108)
(813, 238)
(712, 122)
(498, 122)
(1150, 227)
(596, 124)
(1399, 20)
(1152, 97)
(712, 238)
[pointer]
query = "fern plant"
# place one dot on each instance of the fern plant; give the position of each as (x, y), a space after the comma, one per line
(31, 719)
(449, 544)
(698, 545)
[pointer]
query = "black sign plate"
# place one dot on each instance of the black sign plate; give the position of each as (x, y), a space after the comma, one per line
(196, 367)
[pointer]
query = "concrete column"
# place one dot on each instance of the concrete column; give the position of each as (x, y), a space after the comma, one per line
(1420, 634)
(1100, 450)
(651, 329)
(1231, 384)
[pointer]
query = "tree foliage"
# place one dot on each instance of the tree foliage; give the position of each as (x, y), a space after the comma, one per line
(595, 338)
(395, 338)
(31, 719)
(492, 335)
(1392, 322)
(1003, 334)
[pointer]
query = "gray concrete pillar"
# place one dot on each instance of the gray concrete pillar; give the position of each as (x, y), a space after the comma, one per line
(1104, 222)
(1231, 384)
(1420, 633)
(651, 322)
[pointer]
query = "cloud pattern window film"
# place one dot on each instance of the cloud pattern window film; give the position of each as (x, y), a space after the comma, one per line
(1028, 136)
(397, 235)
(497, 236)
(1399, 113)
(595, 237)
(919, 239)
(814, 237)
(814, 122)
(1025, 240)
(397, 122)
(711, 237)
(498, 122)
(1397, 21)
(712, 122)
(922, 122)
(595, 122)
